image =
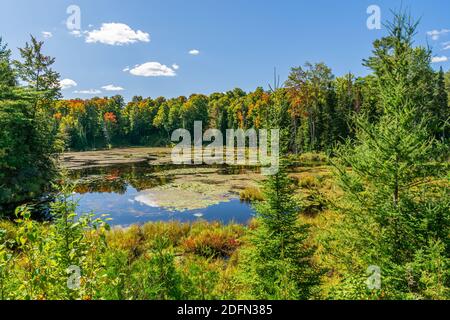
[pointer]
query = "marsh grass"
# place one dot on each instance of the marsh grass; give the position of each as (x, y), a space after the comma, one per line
(160, 260)
(250, 194)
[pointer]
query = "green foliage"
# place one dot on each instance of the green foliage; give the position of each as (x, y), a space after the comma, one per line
(251, 194)
(429, 272)
(159, 276)
(278, 263)
(36, 71)
(41, 260)
(312, 105)
(202, 279)
(26, 159)
(213, 243)
(395, 207)
(36, 263)
(391, 128)
(28, 139)
(5, 259)
(441, 110)
(7, 77)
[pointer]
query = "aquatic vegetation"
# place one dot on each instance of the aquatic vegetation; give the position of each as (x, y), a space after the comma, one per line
(117, 156)
(167, 186)
(196, 188)
(181, 197)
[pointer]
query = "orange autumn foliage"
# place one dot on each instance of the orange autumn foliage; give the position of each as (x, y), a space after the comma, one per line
(110, 117)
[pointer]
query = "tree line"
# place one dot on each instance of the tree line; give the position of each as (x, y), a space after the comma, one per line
(314, 110)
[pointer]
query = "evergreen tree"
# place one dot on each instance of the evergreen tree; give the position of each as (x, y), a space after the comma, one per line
(396, 208)
(7, 78)
(278, 264)
(345, 105)
(440, 111)
(447, 84)
(36, 71)
(28, 141)
(397, 48)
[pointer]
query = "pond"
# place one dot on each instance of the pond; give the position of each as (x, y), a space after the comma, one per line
(137, 193)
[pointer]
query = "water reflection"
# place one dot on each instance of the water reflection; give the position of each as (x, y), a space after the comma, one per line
(115, 179)
(127, 193)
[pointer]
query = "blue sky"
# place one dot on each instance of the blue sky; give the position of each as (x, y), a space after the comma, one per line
(239, 41)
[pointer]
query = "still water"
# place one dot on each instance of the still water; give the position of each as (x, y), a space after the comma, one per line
(126, 193)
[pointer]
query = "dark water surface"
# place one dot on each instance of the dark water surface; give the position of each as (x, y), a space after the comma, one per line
(118, 191)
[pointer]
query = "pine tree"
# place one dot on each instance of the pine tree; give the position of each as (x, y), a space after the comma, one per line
(278, 263)
(345, 105)
(7, 78)
(396, 205)
(28, 140)
(440, 111)
(36, 71)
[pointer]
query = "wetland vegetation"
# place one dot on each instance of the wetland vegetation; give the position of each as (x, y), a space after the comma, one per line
(362, 186)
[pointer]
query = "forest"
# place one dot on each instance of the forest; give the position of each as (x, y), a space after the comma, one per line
(385, 216)
(315, 109)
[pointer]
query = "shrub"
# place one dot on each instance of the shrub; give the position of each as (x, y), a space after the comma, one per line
(155, 275)
(312, 158)
(174, 231)
(214, 242)
(308, 182)
(200, 278)
(126, 239)
(251, 194)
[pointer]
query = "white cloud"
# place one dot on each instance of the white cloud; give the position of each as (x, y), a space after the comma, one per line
(175, 66)
(47, 34)
(194, 52)
(439, 59)
(111, 87)
(446, 45)
(116, 34)
(436, 34)
(67, 83)
(90, 91)
(126, 69)
(152, 69)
